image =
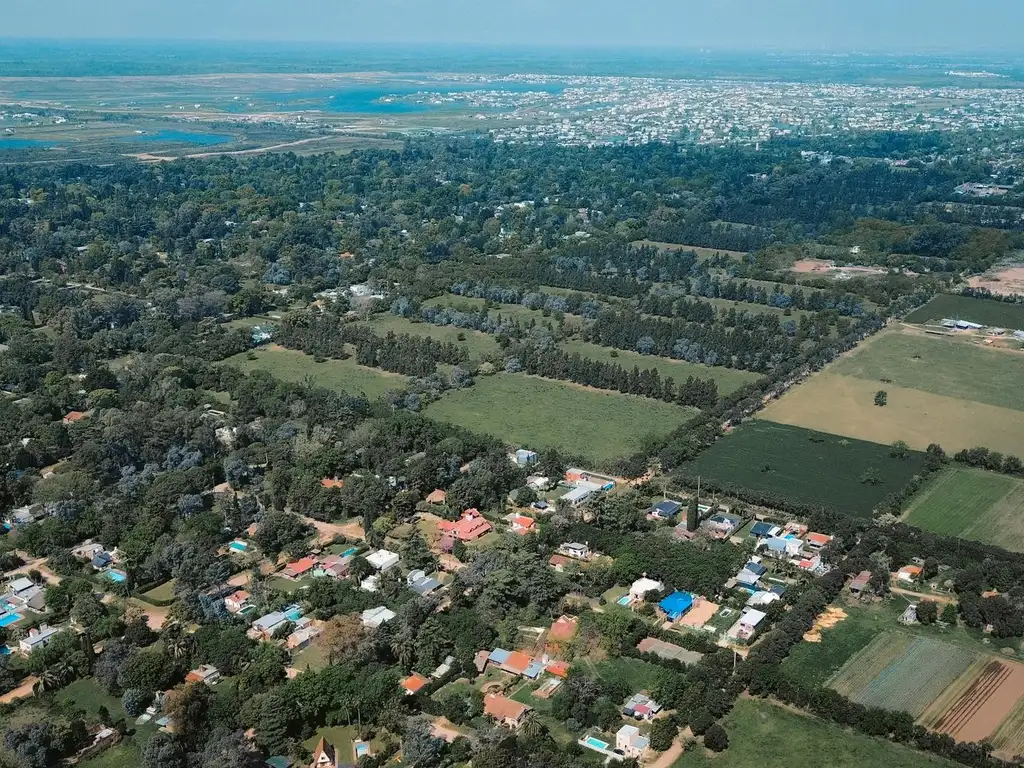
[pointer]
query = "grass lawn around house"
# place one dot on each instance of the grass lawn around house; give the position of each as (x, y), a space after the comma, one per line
(342, 738)
(939, 365)
(477, 343)
(162, 592)
(764, 735)
(341, 375)
(123, 755)
(88, 695)
(727, 379)
(810, 467)
(311, 657)
(530, 411)
(972, 504)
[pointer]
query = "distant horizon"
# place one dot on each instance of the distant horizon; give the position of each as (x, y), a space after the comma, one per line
(664, 48)
(964, 27)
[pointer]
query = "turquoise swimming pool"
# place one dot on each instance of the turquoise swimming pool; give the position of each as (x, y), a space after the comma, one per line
(238, 546)
(117, 576)
(624, 600)
(596, 743)
(7, 619)
(349, 551)
(294, 614)
(362, 748)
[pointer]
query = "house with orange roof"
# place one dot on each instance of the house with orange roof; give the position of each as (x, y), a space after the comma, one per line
(513, 662)
(299, 568)
(505, 711)
(559, 669)
(908, 572)
(413, 683)
(523, 525)
(324, 755)
(332, 482)
(437, 496)
(469, 527)
(817, 540)
(73, 417)
(559, 562)
(562, 630)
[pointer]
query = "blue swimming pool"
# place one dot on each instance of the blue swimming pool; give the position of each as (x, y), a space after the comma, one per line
(624, 600)
(117, 576)
(294, 614)
(596, 743)
(7, 619)
(350, 551)
(362, 748)
(5, 650)
(238, 546)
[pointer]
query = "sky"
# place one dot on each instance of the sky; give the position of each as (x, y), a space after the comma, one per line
(893, 26)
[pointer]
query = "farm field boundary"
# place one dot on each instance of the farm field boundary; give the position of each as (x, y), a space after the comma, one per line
(987, 698)
(972, 504)
(984, 311)
(813, 468)
(844, 405)
(869, 663)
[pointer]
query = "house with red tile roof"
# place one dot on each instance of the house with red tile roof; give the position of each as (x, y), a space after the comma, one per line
(299, 568)
(237, 602)
(413, 684)
(469, 527)
(523, 525)
(332, 482)
(505, 711)
(562, 630)
(73, 417)
(817, 540)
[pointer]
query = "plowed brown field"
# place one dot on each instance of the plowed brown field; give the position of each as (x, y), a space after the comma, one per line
(987, 702)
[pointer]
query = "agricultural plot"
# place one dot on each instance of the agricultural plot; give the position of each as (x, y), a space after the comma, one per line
(517, 312)
(984, 311)
(728, 379)
(902, 673)
(972, 504)
(765, 735)
(342, 375)
(525, 410)
(703, 254)
(757, 309)
(851, 476)
(844, 405)
(982, 699)
(940, 366)
(477, 343)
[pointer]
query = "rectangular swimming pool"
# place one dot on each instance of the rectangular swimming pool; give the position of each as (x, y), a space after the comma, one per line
(238, 546)
(624, 600)
(117, 576)
(596, 743)
(9, 618)
(349, 551)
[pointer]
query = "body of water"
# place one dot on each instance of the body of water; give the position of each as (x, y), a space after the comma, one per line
(7, 142)
(183, 137)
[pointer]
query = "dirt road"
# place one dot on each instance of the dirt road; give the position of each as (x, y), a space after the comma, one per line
(327, 531)
(921, 596)
(667, 758)
(23, 690)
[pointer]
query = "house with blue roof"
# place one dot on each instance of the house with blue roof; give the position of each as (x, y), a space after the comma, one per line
(764, 530)
(782, 546)
(665, 510)
(676, 604)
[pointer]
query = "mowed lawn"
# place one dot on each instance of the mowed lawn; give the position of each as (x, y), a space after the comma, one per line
(728, 379)
(972, 504)
(940, 366)
(764, 735)
(844, 405)
(525, 410)
(342, 375)
(477, 343)
(810, 467)
(983, 311)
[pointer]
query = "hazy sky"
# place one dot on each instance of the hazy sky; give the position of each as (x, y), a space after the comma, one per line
(885, 25)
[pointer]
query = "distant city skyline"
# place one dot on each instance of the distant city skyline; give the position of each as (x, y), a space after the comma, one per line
(905, 26)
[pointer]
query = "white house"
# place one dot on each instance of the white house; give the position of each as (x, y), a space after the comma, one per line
(382, 559)
(374, 617)
(575, 550)
(644, 585)
(630, 741)
(38, 638)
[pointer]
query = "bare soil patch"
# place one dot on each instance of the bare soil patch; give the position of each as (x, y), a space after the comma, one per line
(987, 702)
(1001, 281)
(832, 616)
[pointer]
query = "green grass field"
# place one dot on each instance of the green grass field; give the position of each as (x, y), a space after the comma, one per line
(757, 309)
(123, 755)
(525, 410)
(942, 366)
(162, 592)
(728, 379)
(476, 342)
(703, 254)
(764, 735)
(814, 663)
(810, 467)
(972, 504)
(984, 311)
(341, 375)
